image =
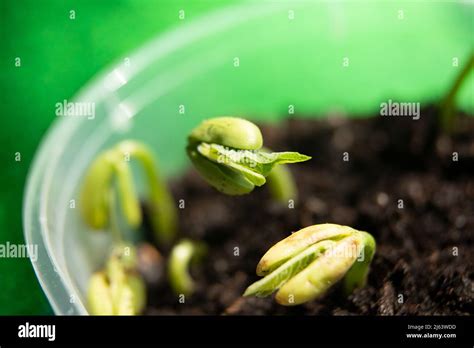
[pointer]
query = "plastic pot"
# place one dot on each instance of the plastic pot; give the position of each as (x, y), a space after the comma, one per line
(265, 61)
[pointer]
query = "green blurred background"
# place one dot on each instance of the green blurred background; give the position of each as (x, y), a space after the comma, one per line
(59, 55)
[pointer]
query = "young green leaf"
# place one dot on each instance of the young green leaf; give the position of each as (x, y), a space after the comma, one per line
(287, 270)
(257, 161)
(226, 159)
(239, 163)
(224, 179)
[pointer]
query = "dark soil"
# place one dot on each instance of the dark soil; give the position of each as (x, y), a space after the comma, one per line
(424, 263)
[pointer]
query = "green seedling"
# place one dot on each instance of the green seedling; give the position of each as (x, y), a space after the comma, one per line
(182, 256)
(228, 154)
(447, 117)
(303, 266)
(118, 289)
(112, 169)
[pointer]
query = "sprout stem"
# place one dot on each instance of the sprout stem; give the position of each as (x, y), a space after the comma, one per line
(97, 203)
(182, 256)
(281, 184)
(163, 212)
(447, 114)
(114, 220)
